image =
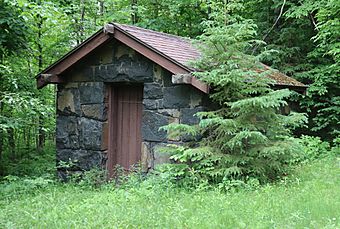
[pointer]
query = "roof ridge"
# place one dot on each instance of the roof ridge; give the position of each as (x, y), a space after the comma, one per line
(153, 31)
(146, 32)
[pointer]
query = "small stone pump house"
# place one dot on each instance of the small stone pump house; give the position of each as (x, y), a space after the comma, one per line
(117, 88)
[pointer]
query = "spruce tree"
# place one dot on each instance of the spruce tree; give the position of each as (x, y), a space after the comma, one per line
(246, 137)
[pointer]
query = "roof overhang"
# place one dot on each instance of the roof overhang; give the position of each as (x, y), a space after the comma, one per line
(300, 89)
(181, 73)
(52, 74)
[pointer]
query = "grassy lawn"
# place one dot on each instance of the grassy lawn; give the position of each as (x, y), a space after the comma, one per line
(308, 199)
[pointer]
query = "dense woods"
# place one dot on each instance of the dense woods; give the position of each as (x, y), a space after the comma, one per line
(301, 37)
(246, 164)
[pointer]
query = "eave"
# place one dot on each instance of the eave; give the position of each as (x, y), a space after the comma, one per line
(52, 74)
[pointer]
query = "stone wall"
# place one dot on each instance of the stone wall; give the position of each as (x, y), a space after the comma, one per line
(81, 125)
(82, 105)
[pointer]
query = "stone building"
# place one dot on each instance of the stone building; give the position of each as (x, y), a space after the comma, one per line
(117, 88)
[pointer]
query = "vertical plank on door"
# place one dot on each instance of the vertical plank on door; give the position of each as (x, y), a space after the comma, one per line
(125, 117)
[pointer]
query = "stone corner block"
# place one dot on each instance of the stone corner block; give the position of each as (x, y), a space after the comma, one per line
(67, 132)
(146, 157)
(68, 101)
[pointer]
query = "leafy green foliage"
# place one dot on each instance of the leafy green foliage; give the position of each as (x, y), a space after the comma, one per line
(179, 17)
(306, 39)
(14, 186)
(323, 99)
(13, 29)
(25, 201)
(314, 148)
(93, 178)
(25, 112)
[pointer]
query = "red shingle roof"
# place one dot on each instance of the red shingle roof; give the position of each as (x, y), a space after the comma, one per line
(181, 50)
(178, 48)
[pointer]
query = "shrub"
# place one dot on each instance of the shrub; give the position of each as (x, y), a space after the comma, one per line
(93, 178)
(313, 148)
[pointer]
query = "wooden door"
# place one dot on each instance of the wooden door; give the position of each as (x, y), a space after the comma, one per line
(125, 121)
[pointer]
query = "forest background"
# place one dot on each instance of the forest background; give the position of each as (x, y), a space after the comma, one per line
(302, 35)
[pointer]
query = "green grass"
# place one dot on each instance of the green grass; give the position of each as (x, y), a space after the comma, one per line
(308, 199)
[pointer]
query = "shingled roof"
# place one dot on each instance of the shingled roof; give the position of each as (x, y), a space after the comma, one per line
(181, 50)
(172, 52)
(178, 48)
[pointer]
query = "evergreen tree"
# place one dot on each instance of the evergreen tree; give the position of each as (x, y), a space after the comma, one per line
(246, 137)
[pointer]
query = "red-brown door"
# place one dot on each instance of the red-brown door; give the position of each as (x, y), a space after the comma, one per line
(125, 118)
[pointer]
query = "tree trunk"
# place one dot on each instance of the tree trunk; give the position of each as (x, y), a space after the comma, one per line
(134, 9)
(82, 20)
(1, 144)
(1, 133)
(1, 111)
(28, 139)
(41, 134)
(101, 7)
(11, 143)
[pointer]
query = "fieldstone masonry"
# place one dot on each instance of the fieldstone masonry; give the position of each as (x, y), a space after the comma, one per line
(82, 105)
